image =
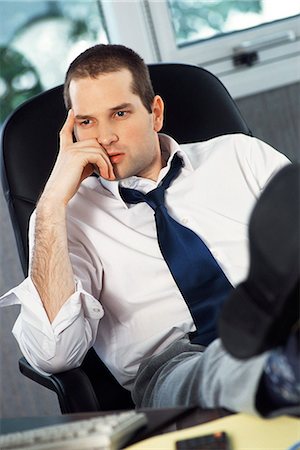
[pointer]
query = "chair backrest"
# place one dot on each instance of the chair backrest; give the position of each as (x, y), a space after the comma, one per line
(198, 107)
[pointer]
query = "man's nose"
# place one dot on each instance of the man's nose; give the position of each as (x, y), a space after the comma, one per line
(106, 135)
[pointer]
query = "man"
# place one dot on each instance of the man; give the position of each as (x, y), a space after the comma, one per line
(97, 274)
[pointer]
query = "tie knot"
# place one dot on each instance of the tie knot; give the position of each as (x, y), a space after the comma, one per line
(154, 198)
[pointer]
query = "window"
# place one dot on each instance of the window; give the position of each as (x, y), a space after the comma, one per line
(230, 37)
(38, 40)
(197, 20)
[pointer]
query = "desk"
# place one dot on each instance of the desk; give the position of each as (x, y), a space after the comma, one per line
(245, 431)
(159, 420)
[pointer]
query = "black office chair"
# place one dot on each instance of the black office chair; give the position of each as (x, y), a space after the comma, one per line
(198, 107)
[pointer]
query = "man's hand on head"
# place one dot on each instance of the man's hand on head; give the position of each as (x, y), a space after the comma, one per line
(75, 162)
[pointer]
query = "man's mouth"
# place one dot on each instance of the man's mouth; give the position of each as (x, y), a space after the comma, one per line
(115, 158)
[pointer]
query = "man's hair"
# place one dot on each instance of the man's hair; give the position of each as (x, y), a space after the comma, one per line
(103, 59)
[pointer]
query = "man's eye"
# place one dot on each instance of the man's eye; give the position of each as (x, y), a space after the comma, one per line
(121, 114)
(85, 122)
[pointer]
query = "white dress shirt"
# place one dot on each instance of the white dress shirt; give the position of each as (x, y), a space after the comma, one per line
(126, 303)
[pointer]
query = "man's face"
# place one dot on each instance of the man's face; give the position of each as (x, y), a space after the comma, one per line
(106, 109)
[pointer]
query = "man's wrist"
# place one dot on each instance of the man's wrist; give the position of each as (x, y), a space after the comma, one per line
(50, 203)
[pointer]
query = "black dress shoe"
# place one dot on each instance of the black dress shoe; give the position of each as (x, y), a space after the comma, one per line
(261, 311)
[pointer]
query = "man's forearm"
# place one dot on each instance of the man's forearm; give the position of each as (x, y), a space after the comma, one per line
(51, 269)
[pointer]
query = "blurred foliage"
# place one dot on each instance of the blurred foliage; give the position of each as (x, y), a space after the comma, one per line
(18, 81)
(190, 15)
(79, 27)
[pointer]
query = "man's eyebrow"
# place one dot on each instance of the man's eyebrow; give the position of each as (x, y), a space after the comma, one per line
(80, 117)
(121, 106)
(112, 109)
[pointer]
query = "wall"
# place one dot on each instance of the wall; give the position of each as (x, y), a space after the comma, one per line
(273, 116)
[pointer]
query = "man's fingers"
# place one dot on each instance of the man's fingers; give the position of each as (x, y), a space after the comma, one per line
(66, 137)
(89, 149)
(110, 170)
(102, 161)
(96, 157)
(105, 167)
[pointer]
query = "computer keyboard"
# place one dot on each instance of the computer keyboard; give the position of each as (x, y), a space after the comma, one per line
(109, 432)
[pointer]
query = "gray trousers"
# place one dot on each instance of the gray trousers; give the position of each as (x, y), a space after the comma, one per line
(186, 374)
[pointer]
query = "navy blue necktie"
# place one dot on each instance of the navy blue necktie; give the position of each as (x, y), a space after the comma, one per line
(197, 274)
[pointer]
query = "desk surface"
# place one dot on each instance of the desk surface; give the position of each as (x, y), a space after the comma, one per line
(244, 431)
(159, 420)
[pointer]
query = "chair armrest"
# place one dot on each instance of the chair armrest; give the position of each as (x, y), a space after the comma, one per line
(73, 388)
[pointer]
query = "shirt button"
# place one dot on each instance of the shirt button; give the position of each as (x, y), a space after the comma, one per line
(184, 220)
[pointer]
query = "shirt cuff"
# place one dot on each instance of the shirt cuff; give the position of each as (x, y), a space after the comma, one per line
(92, 309)
(59, 346)
(33, 312)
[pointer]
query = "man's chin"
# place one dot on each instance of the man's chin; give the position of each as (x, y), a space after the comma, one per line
(119, 174)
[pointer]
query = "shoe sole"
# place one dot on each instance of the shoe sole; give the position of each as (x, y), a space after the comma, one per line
(260, 312)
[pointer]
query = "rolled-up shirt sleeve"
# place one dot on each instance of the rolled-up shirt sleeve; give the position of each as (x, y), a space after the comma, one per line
(62, 344)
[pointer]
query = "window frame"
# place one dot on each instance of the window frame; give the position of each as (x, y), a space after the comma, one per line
(146, 27)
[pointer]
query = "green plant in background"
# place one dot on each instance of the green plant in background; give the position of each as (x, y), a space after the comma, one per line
(18, 81)
(37, 41)
(190, 15)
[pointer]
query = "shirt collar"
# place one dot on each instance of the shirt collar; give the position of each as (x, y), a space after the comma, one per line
(169, 148)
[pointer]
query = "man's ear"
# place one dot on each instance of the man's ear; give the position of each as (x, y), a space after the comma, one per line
(158, 113)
